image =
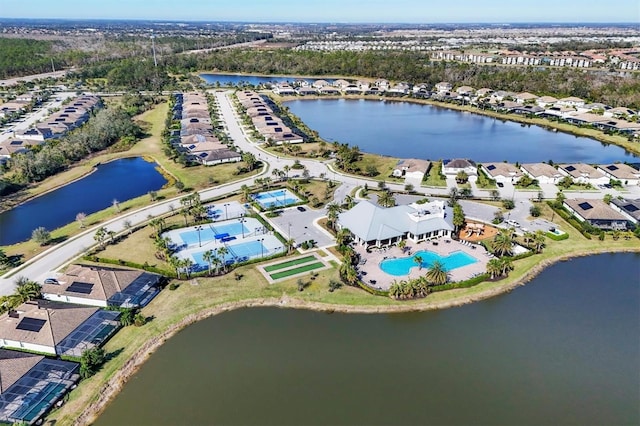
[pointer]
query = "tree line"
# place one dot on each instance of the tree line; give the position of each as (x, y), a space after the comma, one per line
(104, 129)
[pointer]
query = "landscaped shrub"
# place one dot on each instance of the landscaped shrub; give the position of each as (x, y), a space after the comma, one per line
(555, 237)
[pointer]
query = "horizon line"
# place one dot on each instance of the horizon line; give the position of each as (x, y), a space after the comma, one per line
(195, 20)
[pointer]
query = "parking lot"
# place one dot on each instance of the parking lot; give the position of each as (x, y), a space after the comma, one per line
(299, 225)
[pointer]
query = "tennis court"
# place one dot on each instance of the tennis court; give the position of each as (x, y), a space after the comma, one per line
(242, 251)
(217, 232)
(277, 198)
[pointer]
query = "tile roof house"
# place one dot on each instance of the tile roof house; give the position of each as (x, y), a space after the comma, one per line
(524, 97)
(56, 328)
(374, 225)
(31, 384)
(502, 172)
(546, 101)
(622, 172)
(583, 173)
(453, 167)
(543, 173)
(101, 286)
(628, 208)
(597, 213)
(412, 168)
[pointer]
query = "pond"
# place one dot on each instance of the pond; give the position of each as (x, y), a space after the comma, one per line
(408, 130)
(121, 180)
(561, 350)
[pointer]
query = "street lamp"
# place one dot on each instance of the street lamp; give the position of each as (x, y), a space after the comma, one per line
(226, 212)
(242, 221)
(199, 228)
(261, 247)
(289, 230)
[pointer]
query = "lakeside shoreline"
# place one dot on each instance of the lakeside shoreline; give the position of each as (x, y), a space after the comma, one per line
(112, 387)
(566, 128)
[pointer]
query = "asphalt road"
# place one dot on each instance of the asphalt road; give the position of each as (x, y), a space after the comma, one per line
(52, 259)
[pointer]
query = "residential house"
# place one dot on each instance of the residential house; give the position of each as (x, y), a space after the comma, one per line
(525, 97)
(546, 101)
(625, 173)
(619, 112)
(56, 328)
(481, 93)
(101, 286)
(443, 86)
(583, 173)
(306, 91)
(571, 101)
(341, 84)
(628, 208)
(372, 225)
(319, 84)
(412, 168)
(597, 213)
(31, 384)
(543, 173)
(452, 167)
(502, 172)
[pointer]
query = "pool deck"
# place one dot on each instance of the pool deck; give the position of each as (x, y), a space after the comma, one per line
(370, 270)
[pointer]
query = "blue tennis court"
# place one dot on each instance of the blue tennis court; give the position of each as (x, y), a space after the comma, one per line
(236, 253)
(212, 232)
(279, 198)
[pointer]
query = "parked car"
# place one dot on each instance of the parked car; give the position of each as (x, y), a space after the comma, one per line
(51, 281)
(500, 184)
(513, 223)
(301, 209)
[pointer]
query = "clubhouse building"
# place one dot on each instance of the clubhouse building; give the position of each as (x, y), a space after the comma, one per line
(372, 225)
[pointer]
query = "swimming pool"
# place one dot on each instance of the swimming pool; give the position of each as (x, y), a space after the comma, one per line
(402, 265)
(279, 198)
(211, 232)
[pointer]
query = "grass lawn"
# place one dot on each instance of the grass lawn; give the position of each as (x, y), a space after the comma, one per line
(150, 147)
(434, 178)
(298, 270)
(317, 189)
(182, 305)
(485, 182)
(383, 164)
(289, 263)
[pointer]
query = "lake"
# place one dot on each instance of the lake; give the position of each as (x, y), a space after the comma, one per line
(561, 350)
(122, 180)
(236, 79)
(408, 130)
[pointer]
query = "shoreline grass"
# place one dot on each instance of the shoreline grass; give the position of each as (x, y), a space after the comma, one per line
(174, 310)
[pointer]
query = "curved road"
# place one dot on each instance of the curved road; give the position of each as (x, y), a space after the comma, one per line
(52, 259)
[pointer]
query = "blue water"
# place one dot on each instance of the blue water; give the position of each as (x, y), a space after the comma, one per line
(406, 130)
(237, 79)
(402, 265)
(209, 232)
(237, 253)
(281, 197)
(122, 180)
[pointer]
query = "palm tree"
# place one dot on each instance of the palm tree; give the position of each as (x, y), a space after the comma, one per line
(185, 212)
(27, 290)
(208, 257)
(386, 199)
(186, 265)
(342, 237)
(402, 245)
(503, 243)
(290, 244)
(176, 263)
(506, 265)
(418, 260)
(333, 209)
(494, 268)
(349, 202)
(395, 291)
(528, 238)
(539, 241)
(437, 274)
(246, 193)
(286, 169)
(100, 235)
(222, 252)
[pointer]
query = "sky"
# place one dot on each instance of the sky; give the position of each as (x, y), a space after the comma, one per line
(335, 11)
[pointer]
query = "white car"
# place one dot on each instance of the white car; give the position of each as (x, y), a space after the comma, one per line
(513, 223)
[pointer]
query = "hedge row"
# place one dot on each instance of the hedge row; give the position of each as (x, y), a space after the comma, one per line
(462, 284)
(555, 237)
(569, 218)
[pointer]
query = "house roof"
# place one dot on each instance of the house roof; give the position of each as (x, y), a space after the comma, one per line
(502, 169)
(370, 222)
(526, 96)
(98, 283)
(14, 365)
(629, 206)
(47, 323)
(413, 165)
(581, 170)
(620, 171)
(594, 209)
(541, 169)
(218, 154)
(458, 163)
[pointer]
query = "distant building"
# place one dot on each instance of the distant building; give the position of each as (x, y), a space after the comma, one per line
(597, 213)
(543, 173)
(627, 208)
(502, 172)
